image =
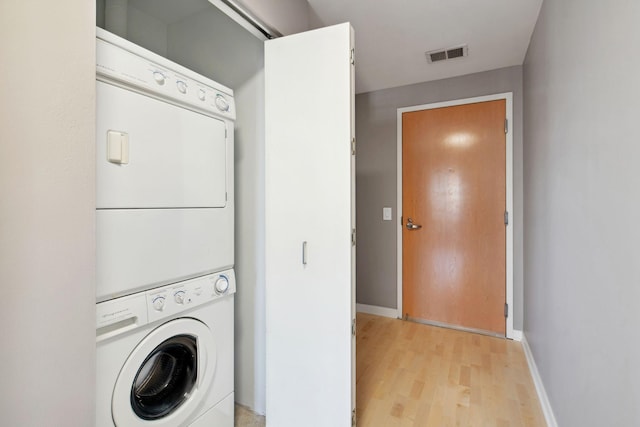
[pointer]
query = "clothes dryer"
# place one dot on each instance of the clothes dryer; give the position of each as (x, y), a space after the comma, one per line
(164, 171)
(165, 356)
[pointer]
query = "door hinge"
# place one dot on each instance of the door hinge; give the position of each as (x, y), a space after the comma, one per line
(225, 133)
(353, 327)
(353, 146)
(506, 310)
(506, 125)
(352, 59)
(401, 220)
(353, 237)
(353, 417)
(506, 217)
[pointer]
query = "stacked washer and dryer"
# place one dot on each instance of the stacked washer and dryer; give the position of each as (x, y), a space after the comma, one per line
(165, 242)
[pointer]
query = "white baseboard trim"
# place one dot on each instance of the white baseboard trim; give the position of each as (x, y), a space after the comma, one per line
(378, 311)
(537, 381)
(516, 335)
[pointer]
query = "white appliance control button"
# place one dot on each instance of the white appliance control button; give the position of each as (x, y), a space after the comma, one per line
(182, 86)
(159, 77)
(179, 297)
(158, 303)
(201, 95)
(222, 103)
(222, 285)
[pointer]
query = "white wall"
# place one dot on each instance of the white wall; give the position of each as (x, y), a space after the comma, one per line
(212, 44)
(47, 213)
(582, 205)
(250, 229)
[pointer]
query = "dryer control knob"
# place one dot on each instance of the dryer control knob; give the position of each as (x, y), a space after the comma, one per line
(222, 103)
(202, 94)
(222, 285)
(158, 303)
(159, 77)
(182, 86)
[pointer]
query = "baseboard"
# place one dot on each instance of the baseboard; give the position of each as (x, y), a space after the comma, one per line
(537, 381)
(378, 311)
(516, 335)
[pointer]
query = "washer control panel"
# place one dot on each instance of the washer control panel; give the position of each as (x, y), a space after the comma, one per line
(147, 72)
(172, 299)
(222, 285)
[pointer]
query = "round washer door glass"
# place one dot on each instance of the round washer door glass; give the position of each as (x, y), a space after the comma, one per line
(166, 378)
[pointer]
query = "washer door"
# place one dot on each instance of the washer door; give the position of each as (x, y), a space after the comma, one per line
(166, 377)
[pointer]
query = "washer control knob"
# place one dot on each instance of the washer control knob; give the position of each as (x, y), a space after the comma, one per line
(202, 94)
(179, 297)
(182, 86)
(222, 285)
(158, 303)
(222, 103)
(159, 77)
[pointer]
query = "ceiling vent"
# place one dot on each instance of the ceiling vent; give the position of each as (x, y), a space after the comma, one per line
(445, 54)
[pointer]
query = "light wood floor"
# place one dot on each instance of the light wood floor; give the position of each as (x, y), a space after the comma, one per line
(245, 417)
(410, 374)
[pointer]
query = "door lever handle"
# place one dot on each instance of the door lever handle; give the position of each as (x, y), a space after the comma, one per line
(412, 226)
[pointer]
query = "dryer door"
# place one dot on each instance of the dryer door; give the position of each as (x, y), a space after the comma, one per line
(167, 376)
(173, 157)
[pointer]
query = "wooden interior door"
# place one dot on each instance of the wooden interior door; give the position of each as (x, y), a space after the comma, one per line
(453, 205)
(309, 255)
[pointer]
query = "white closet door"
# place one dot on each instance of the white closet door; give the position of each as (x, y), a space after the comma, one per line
(309, 218)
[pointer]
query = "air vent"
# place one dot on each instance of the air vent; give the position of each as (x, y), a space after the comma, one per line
(455, 53)
(437, 56)
(445, 54)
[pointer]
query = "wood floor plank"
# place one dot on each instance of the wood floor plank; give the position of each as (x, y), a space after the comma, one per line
(409, 374)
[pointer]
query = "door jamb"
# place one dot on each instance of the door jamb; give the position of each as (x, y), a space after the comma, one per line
(508, 97)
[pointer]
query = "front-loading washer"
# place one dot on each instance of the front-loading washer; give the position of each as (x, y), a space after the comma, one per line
(165, 356)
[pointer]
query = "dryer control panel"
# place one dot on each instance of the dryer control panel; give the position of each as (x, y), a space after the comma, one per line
(124, 63)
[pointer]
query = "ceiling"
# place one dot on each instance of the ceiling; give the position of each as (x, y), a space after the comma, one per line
(393, 35)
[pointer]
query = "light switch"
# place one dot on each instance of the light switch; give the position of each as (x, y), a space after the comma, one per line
(118, 147)
(386, 214)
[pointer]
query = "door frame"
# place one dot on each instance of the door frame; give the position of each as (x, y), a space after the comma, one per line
(508, 97)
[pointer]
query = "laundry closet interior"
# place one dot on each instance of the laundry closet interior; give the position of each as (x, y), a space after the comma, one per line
(289, 122)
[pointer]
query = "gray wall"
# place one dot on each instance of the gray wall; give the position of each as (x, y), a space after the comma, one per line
(47, 213)
(582, 201)
(142, 29)
(147, 31)
(212, 44)
(376, 170)
(286, 16)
